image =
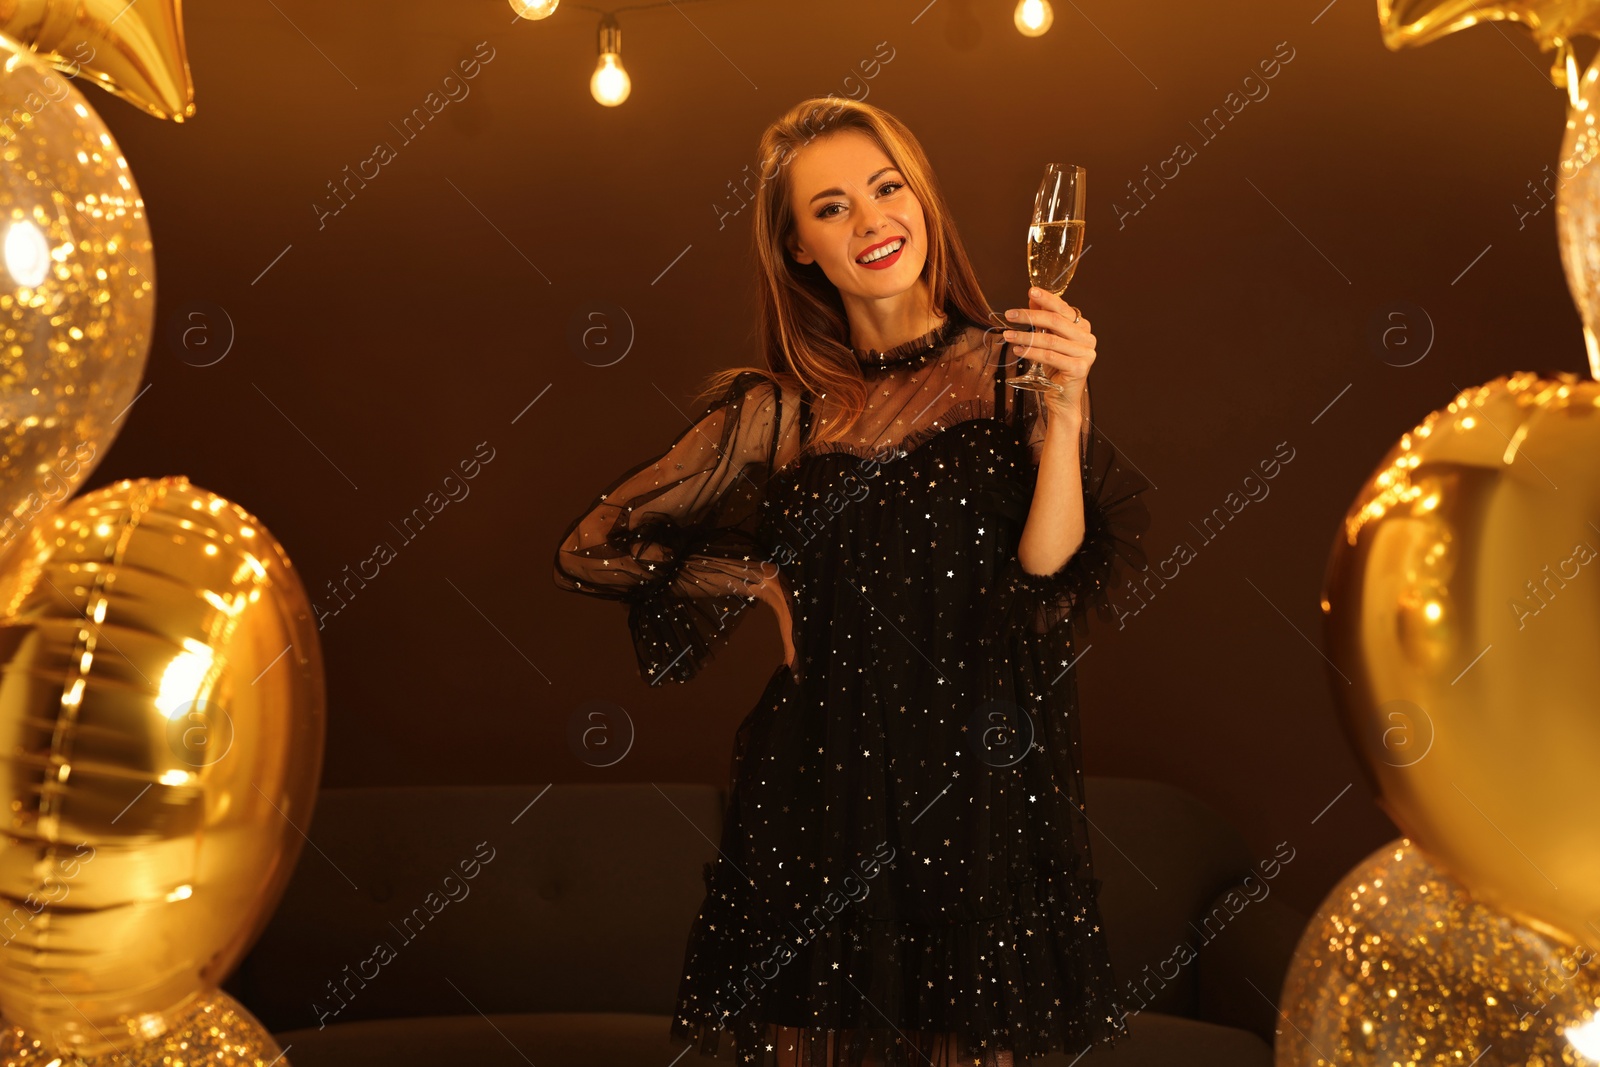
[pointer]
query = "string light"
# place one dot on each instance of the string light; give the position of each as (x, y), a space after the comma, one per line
(534, 9)
(1033, 17)
(610, 84)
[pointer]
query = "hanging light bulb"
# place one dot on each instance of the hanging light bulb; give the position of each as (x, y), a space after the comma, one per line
(610, 84)
(1033, 17)
(534, 9)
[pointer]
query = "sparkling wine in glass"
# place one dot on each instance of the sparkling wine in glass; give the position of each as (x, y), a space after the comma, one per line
(1055, 241)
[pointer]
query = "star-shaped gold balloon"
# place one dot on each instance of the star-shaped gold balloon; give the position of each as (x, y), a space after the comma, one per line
(133, 50)
(1552, 22)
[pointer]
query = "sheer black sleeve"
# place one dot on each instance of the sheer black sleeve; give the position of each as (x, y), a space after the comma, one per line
(1115, 518)
(674, 538)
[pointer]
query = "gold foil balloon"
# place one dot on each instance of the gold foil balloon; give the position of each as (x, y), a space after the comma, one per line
(133, 50)
(1461, 612)
(1577, 196)
(215, 1030)
(1401, 966)
(1554, 24)
(161, 724)
(77, 291)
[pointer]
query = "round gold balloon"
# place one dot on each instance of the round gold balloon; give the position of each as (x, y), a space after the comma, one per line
(1461, 611)
(161, 724)
(134, 51)
(1401, 966)
(77, 291)
(216, 1030)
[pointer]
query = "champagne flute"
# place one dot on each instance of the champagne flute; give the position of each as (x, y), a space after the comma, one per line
(1055, 242)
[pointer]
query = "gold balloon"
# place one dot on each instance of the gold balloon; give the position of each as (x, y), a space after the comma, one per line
(1577, 198)
(1461, 613)
(133, 50)
(1552, 22)
(1401, 966)
(77, 291)
(216, 1030)
(162, 717)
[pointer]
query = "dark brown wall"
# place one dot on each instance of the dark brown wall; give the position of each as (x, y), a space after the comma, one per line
(1232, 311)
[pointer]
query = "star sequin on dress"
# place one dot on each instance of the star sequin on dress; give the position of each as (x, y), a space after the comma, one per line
(904, 873)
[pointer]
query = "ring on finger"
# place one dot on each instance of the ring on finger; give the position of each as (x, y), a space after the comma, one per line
(1077, 316)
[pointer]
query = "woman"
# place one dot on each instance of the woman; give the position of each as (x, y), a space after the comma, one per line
(904, 875)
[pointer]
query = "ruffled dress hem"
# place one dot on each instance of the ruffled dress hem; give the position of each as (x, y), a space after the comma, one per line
(843, 981)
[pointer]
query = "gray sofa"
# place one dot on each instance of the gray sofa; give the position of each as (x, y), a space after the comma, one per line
(546, 924)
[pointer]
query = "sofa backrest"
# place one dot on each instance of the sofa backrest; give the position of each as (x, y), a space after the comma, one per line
(442, 900)
(502, 899)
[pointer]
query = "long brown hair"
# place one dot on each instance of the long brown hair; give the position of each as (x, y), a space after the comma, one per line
(803, 329)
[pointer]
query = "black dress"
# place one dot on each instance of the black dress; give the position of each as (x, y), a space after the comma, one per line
(905, 853)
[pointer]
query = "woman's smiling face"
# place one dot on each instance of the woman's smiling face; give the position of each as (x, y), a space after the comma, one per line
(848, 201)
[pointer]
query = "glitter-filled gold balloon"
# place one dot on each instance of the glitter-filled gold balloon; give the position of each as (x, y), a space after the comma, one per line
(132, 50)
(1461, 613)
(77, 291)
(1401, 966)
(215, 1031)
(161, 734)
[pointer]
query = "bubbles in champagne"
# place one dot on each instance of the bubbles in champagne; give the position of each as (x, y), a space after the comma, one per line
(1053, 250)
